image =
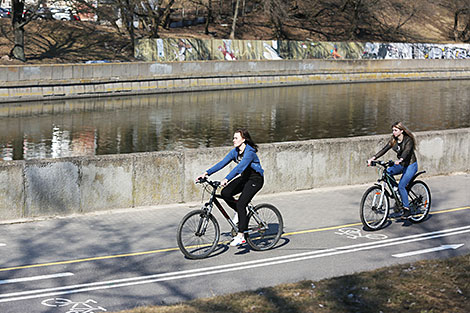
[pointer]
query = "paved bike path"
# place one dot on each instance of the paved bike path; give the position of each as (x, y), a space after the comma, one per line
(126, 247)
(122, 231)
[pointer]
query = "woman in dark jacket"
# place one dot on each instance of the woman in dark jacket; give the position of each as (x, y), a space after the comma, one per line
(403, 143)
(248, 183)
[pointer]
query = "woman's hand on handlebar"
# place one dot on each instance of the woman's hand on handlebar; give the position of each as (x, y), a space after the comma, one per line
(370, 160)
(397, 162)
(201, 177)
(224, 182)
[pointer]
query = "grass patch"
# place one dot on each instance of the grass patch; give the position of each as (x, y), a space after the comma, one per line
(424, 286)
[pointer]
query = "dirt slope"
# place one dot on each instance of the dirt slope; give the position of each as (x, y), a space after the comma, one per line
(76, 42)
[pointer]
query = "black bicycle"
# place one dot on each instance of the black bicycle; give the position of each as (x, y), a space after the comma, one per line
(375, 204)
(199, 232)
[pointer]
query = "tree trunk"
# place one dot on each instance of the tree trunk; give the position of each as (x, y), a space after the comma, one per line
(18, 30)
(460, 35)
(456, 25)
(18, 49)
(465, 33)
(208, 17)
(166, 15)
(234, 23)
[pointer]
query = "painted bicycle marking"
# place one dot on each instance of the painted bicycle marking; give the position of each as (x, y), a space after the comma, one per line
(354, 233)
(77, 307)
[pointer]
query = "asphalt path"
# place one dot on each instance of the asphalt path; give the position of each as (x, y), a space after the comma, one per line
(122, 259)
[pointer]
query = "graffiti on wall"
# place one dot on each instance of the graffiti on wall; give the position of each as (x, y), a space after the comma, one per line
(415, 51)
(170, 49)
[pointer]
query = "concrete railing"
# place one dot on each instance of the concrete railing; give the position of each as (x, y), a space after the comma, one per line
(86, 184)
(45, 82)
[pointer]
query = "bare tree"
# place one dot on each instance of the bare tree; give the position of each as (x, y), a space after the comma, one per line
(21, 16)
(277, 11)
(355, 19)
(153, 14)
(208, 5)
(461, 11)
(234, 21)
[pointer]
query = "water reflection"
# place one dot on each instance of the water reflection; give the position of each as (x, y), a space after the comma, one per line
(207, 119)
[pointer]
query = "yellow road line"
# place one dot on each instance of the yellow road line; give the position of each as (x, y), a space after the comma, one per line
(451, 210)
(107, 257)
(87, 259)
(319, 229)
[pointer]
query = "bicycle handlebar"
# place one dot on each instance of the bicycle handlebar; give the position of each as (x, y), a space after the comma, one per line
(214, 183)
(382, 163)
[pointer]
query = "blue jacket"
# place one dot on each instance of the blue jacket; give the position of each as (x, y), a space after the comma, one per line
(249, 159)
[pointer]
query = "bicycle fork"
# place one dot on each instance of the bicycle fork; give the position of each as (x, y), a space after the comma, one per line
(203, 221)
(381, 196)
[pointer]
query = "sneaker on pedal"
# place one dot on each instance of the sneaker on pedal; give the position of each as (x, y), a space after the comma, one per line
(406, 213)
(236, 241)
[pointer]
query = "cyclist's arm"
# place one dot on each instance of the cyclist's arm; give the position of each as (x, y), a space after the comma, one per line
(387, 147)
(228, 158)
(248, 157)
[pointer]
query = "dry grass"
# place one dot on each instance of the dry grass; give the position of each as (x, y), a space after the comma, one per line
(66, 42)
(425, 286)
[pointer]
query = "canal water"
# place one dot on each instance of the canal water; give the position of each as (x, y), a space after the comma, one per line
(207, 119)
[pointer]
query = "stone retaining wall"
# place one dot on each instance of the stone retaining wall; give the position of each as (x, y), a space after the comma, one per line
(87, 184)
(48, 82)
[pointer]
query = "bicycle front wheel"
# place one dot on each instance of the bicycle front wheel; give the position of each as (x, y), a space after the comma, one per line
(198, 234)
(374, 208)
(265, 226)
(420, 201)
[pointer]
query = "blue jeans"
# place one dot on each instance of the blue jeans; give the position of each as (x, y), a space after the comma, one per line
(408, 173)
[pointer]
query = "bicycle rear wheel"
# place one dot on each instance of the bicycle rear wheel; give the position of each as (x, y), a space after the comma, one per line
(198, 234)
(373, 213)
(265, 227)
(420, 201)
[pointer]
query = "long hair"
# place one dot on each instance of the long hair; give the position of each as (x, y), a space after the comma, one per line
(246, 135)
(406, 132)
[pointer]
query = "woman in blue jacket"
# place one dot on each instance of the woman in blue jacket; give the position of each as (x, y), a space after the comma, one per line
(248, 183)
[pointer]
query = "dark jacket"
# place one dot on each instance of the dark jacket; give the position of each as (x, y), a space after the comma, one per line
(404, 149)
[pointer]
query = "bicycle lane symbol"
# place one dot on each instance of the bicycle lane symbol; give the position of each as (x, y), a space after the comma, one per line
(76, 307)
(354, 233)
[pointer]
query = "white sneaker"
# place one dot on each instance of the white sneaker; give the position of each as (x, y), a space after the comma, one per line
(237, 240)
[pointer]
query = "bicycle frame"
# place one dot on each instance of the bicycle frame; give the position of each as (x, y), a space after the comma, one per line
(214, 200)
(388, 180)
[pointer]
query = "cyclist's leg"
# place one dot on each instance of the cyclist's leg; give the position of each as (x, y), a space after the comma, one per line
(395, 169)
(232, 188)
(408, 174)
(251, 187)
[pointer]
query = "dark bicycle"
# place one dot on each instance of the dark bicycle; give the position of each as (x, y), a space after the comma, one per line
(199, 232)
(375, 204)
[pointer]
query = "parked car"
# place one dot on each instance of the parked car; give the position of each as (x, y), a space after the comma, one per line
(5, 13)
(44, 14)
(64, 14)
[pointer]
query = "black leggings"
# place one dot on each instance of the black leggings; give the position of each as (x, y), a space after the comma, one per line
(248, 187)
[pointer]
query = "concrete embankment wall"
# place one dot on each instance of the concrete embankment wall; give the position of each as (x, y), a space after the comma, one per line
(86, 184)
(45, 82)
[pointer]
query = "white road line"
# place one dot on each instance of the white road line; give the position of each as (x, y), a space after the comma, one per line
(125, 282)
(32, 278)
(2, 244)
(435, 249)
